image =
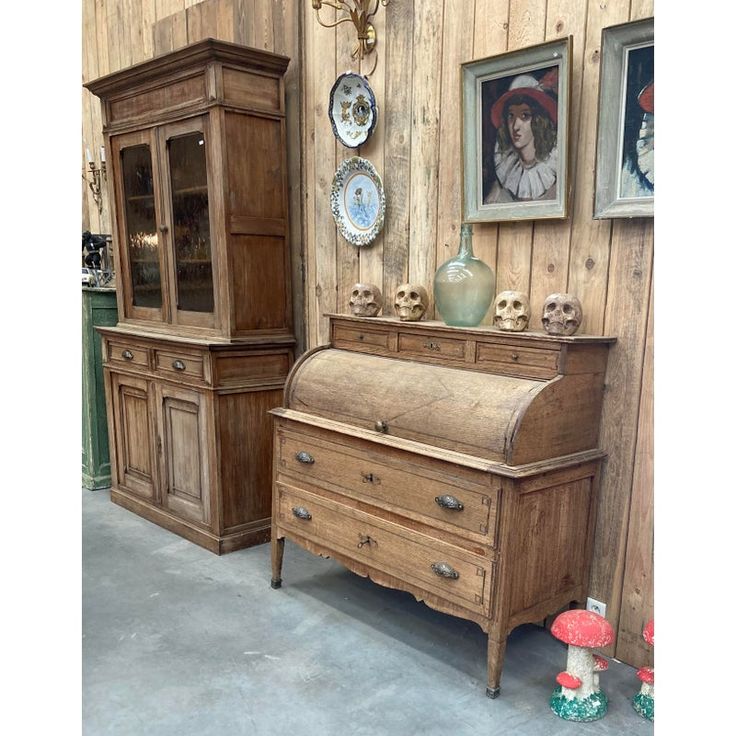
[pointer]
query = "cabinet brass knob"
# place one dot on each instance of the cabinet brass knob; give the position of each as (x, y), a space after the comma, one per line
(449, 502)
(366, 539)
(381, 426)
(163, 228)
(301, 513)
(370, 478)
(127, 355)
(514, 356)
(445, 571)
(304, 458)
(178, 365)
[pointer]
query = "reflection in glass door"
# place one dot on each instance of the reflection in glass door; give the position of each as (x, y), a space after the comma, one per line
(140, 226)
(191, 223)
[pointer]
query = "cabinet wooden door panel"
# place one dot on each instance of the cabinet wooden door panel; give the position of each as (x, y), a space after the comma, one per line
(135, 460)
(184, 471)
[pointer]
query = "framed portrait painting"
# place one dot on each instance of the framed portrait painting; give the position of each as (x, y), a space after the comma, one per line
(515, 134)
(624, 172)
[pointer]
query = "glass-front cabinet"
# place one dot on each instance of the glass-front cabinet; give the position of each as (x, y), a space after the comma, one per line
(164, 204)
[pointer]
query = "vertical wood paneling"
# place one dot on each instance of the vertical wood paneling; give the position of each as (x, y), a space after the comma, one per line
(397, 121)
(637, 600)
(457, 39)
(425, 101)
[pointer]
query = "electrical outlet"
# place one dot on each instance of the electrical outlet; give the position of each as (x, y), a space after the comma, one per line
(596, 606)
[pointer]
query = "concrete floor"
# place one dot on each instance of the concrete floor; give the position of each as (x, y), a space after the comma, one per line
(180, 642)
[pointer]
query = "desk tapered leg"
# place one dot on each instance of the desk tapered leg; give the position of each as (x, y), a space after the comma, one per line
(277, 560)
(496, 652)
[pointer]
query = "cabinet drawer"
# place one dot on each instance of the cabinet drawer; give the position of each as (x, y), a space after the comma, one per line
(127, 354)
(403, 487)
(179, 364)
(354, 337)
(521, 361)
(441, 348)
(417, 559)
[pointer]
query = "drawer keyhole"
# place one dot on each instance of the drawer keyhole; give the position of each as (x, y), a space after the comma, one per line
(432, 346)
(366, 539)
(370, 478)
(514, 356)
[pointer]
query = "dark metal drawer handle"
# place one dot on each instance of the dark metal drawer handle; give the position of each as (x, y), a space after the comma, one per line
(366, 539)
(370, 478)
(381, 426)
(449, 502)
(305, 458)
(301, 513)
(433, 346)
(178, 365)
(127, 355)
(444, 570)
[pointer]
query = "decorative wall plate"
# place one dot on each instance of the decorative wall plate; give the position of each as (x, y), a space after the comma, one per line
(357, 201)
(353, 111)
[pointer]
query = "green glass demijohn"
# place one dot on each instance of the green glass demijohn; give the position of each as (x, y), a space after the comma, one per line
(464, 286)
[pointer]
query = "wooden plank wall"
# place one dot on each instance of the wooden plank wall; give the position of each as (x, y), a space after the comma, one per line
(118, 33)
(416, 149)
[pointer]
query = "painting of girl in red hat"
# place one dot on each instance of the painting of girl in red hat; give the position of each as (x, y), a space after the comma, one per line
(519, 137)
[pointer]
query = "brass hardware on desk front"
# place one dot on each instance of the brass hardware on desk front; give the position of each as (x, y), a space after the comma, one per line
(449, 502)
(366, 539)
(178, 365)
(127, 355)
(304, 458)
(445, 571)
(370, 478)
(381, 426)
(301, 513)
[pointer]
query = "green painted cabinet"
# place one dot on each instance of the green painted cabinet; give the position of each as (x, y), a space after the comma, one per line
(99, 308)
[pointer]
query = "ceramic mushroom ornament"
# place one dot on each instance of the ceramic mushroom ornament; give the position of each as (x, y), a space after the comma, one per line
(411, 302)
(365, 300)
(579, 697)
(562, 314)
(511, 311)
(644, 699)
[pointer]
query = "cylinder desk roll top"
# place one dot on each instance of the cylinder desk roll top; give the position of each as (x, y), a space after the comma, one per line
(534, 407)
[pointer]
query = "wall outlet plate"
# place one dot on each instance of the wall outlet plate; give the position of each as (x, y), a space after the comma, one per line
(596, 606)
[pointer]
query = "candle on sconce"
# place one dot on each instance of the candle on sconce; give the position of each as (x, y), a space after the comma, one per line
(89, 156)
(102, 154)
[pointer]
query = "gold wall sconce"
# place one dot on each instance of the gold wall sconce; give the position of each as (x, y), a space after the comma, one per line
(359, 13)
(97, 174)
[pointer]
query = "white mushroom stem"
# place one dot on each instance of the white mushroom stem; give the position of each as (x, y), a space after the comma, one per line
(581, 664)
(647, 689)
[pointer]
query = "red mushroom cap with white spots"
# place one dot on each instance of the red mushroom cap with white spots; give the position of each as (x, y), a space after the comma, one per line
(582, 629)
(646, 674)
(601, 663)
(569, 681)
(648, 633)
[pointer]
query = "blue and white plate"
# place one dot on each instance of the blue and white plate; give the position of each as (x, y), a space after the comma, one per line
(357, 201)
(353, 112)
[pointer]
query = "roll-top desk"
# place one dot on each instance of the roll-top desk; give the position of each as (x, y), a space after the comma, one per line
(460, 465)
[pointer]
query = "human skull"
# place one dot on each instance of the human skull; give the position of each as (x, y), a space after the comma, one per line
(365, 300)
(411, 302)
(511, 311)
(562, 314)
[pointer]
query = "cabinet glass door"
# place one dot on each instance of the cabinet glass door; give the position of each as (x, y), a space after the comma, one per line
(186, 160)
(144, 250)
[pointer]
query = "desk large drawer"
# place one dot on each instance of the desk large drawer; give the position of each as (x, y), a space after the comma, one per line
(419, 560)
(402, 484)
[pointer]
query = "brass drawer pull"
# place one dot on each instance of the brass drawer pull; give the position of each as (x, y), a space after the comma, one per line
(433, 346)
(370, 478)
(381, 426)
(127, 355)
(361, 337)
(366, 539)
(178, 365)
(445, 571)
(514, 356)
(301, 513)
(449, 502)
(305, 458)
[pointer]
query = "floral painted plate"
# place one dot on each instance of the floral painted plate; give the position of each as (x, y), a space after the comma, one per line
(352, 110)
(357, 201)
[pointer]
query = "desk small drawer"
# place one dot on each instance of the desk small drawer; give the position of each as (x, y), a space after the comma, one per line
(423, 561)
(533, 362)
(127, 354)
(409, 488)
(432, 346)
(177, 364)
(354, 337)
